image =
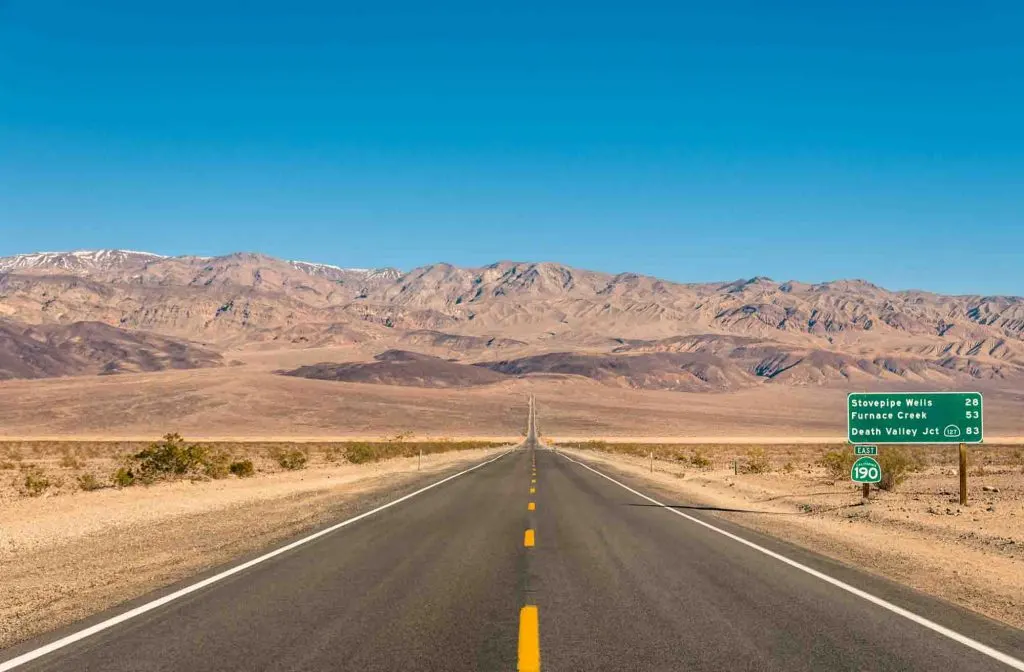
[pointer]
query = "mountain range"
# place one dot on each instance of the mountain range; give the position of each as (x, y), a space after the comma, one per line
(111, 311)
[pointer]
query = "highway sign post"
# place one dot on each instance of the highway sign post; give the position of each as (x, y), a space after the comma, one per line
(918, 417)
(963, 474)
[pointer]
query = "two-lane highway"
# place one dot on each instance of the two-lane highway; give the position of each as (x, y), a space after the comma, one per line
(537, 560)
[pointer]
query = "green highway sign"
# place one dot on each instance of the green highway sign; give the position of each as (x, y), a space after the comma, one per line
(866, 470)
(865, 450)
(915, 417)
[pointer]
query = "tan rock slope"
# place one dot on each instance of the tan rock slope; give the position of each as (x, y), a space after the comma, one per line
(517, 319)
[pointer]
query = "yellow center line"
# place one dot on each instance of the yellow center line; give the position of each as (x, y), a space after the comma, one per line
(532, 506)
(533, 481)
(528, 539)
(529, 640)
(533, 491)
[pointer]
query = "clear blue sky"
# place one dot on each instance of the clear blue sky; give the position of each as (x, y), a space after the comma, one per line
(693, 141)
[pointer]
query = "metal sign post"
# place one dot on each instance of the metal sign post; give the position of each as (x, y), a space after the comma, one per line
(963, 474)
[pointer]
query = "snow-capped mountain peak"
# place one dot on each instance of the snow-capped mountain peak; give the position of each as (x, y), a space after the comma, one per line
(314, 268)
(337, 272)
(77, 260)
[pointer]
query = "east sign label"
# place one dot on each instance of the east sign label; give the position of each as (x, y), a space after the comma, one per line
(866, 470)
(924, 417)
(865, 450)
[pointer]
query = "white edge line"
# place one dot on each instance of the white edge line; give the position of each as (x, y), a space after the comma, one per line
(159, 602)
(909, 615)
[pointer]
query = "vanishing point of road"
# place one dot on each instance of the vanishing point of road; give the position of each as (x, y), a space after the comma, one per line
(531, 560)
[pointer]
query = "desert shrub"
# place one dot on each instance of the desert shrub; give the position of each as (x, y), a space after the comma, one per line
(88, 482)
(242, 468)
(838, 463)
(217, 465)
(292, 460)
(169, 458)
(8, 465)
(123, 477)
(332, 454)
(788, 467)
(757, 461)
(895, 463)
(35, 482)
(699, 460)
(360, 453)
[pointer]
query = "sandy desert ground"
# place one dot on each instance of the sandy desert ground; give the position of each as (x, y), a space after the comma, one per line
(249, 401)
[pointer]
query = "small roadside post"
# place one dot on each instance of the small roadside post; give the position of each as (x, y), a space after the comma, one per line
(652, 461)
(419, 462)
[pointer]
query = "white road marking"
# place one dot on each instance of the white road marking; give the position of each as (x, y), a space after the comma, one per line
(909, 615)
(149, 606)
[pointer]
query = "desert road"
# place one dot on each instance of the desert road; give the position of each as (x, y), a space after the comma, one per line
(532, 560)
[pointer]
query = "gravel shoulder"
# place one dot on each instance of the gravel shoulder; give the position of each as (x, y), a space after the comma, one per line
(917, 535)
(67, 557)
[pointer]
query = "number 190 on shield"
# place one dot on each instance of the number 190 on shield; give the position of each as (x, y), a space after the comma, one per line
(866, 470)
